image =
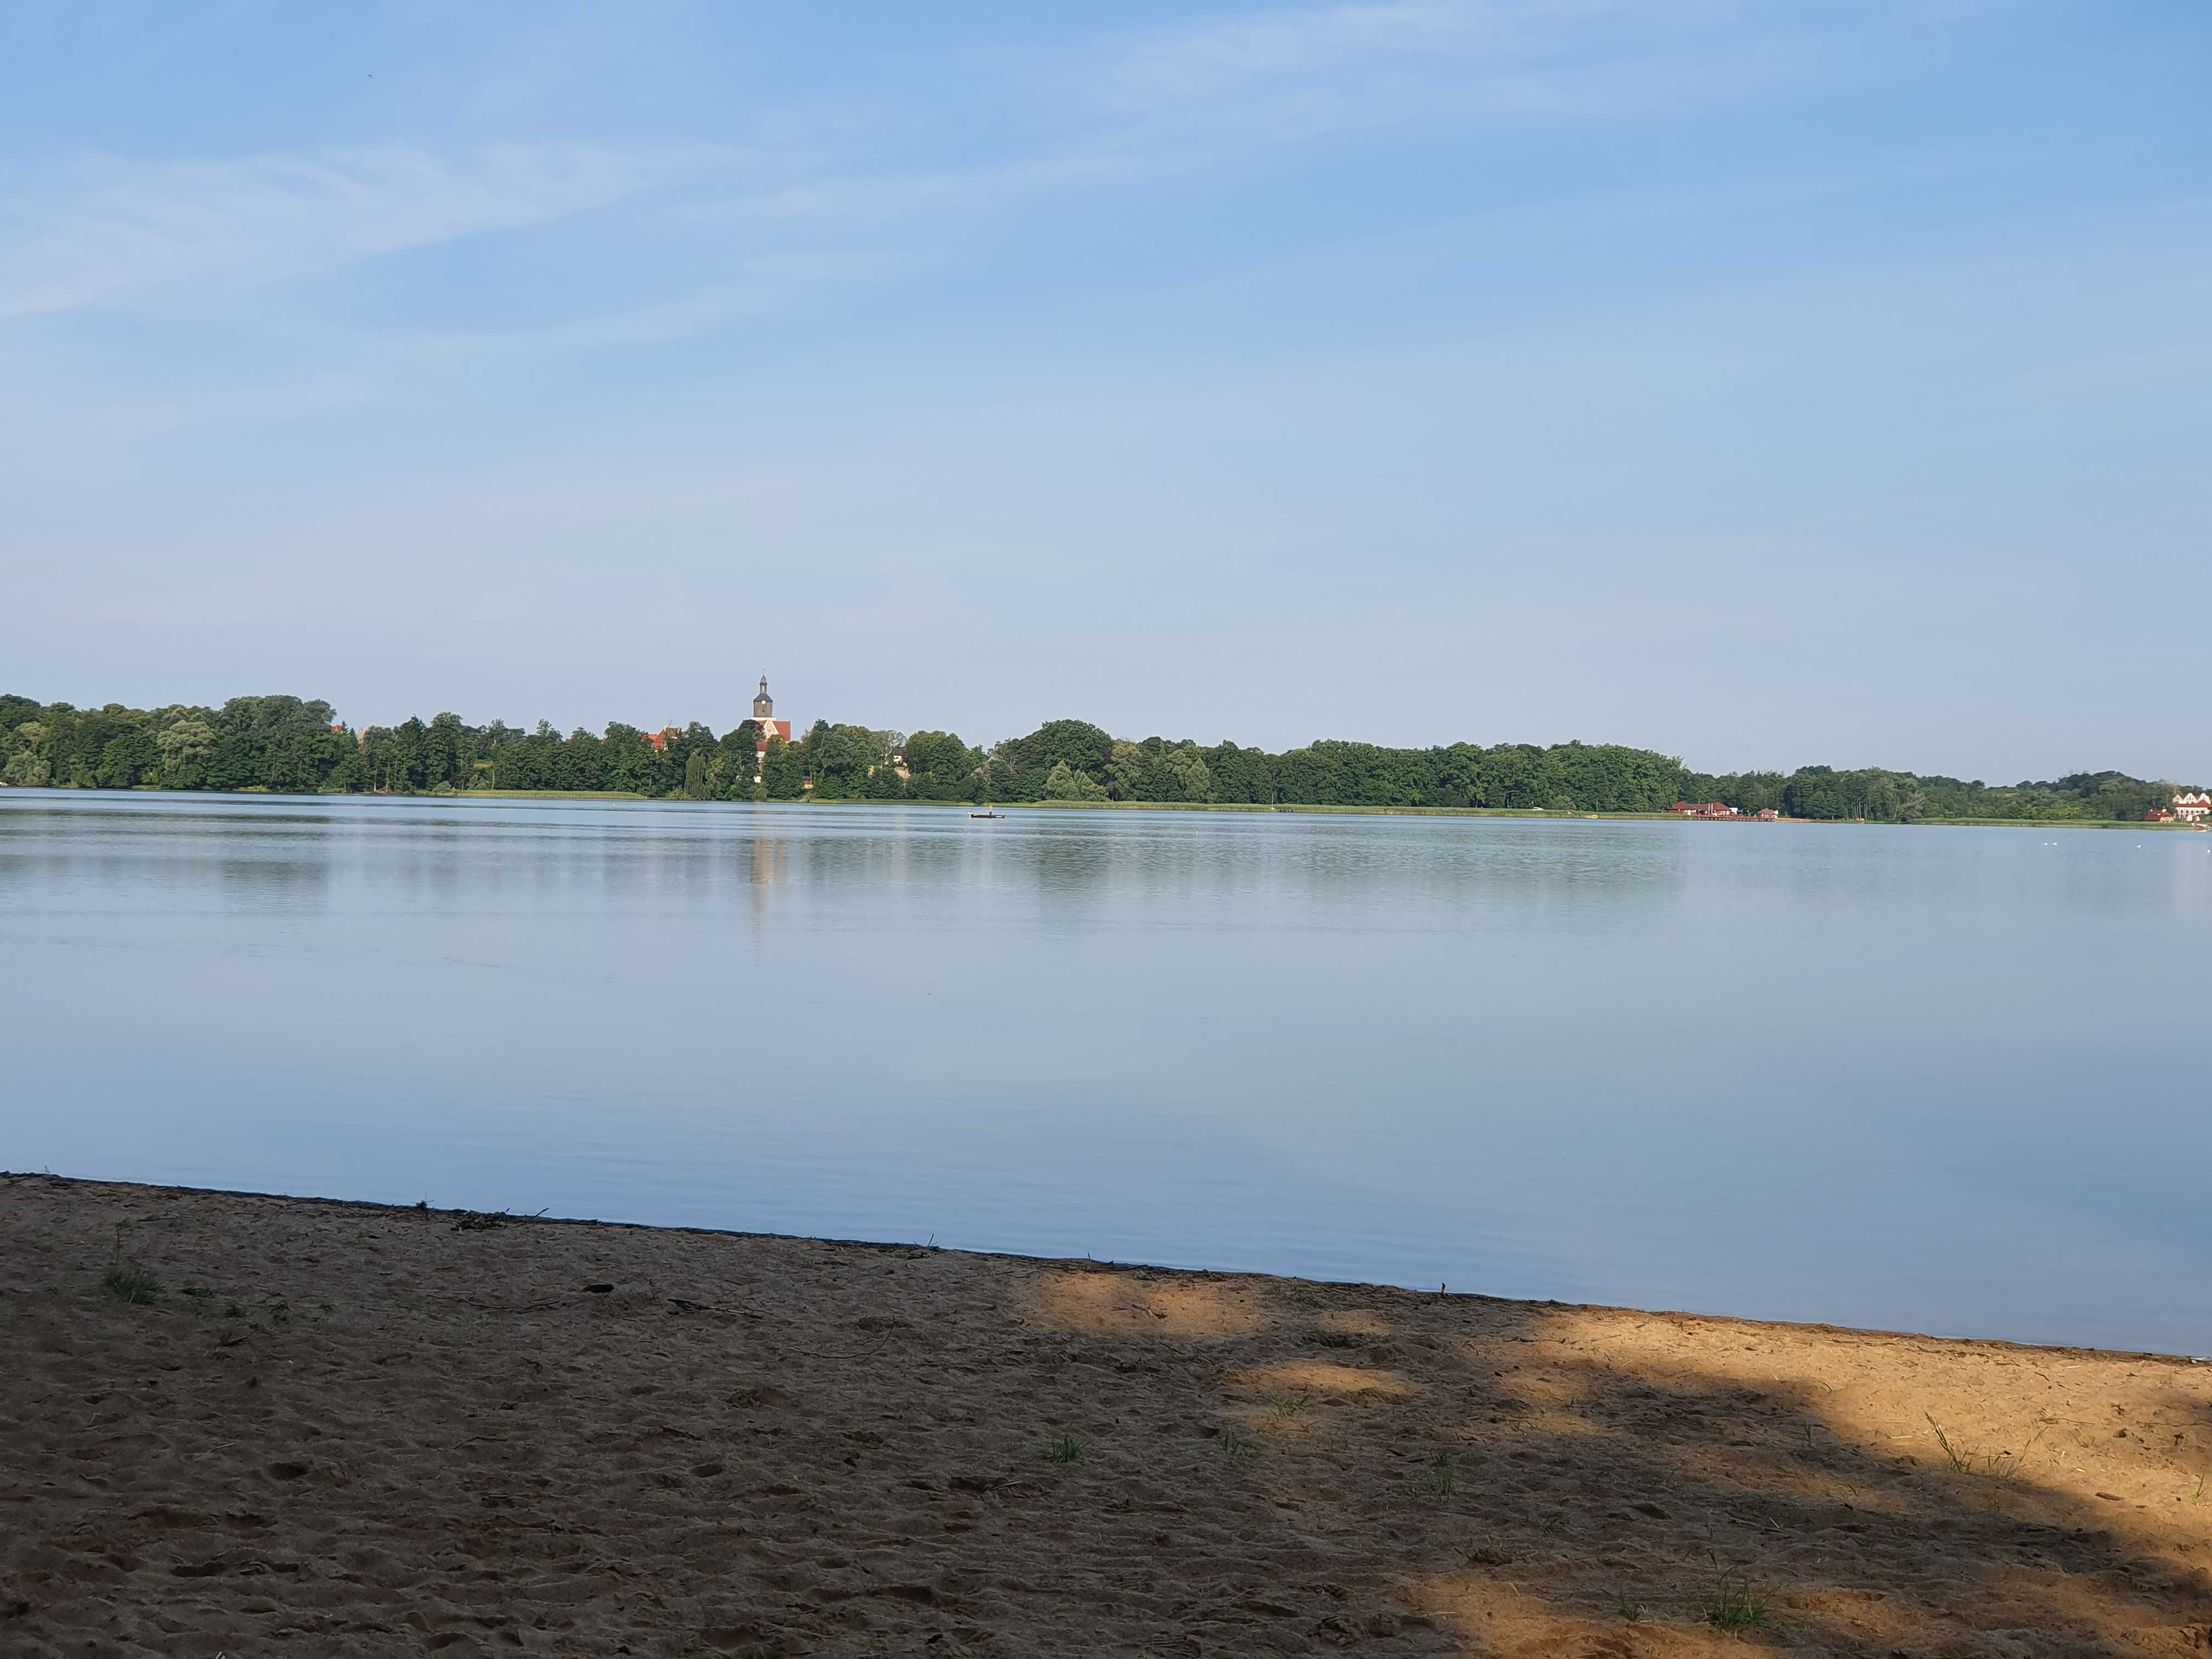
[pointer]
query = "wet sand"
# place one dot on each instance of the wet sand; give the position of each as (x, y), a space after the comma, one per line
(341, 1429)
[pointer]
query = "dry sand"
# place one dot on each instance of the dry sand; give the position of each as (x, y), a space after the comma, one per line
(378, 1434)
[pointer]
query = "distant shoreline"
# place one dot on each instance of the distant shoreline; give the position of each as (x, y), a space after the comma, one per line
(1537, 814)
(294, 744)
(1561, 815)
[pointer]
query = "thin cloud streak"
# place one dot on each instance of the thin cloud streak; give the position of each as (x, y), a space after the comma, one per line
(103, 230)
(1301, 74)
(108, 230)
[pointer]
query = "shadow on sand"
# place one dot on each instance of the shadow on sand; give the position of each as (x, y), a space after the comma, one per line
(1531, 1477)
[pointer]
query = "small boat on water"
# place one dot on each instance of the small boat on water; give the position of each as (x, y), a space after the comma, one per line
(987, 812)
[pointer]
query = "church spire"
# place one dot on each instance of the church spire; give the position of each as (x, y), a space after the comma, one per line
(763, 705)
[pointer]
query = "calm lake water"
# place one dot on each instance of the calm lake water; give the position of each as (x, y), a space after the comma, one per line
(1938, 1078)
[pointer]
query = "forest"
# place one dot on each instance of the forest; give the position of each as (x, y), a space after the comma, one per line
(293, 745)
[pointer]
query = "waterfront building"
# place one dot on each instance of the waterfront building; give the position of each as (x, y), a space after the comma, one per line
(764, 717)
(2192, 808)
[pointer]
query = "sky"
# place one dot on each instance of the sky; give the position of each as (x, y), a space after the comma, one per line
(1763, 383)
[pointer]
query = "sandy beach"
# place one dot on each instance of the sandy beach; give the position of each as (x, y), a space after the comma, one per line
(341, 1429)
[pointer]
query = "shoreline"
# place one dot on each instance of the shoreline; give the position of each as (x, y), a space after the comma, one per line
(385, 1428)
(1529, 814)
(501, 1219)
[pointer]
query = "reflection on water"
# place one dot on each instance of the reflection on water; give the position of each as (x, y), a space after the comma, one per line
(1929, 1078)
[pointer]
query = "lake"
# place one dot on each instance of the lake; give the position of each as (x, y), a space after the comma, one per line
(1933, 1079)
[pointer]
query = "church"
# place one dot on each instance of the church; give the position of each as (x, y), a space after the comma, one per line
(764, 717)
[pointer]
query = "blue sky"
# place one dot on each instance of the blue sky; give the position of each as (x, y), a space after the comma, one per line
(1766, 383)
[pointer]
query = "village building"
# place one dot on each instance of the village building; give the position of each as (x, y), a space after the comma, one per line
(2192, 808)
(1710, 809)
(764, 717)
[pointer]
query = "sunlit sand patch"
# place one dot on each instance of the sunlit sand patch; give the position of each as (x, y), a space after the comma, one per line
(1921, 1427)
(1115, 1304)
(1323, 1377)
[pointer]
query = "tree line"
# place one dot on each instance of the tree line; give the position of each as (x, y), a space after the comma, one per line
(1885, 797)
(293, 745)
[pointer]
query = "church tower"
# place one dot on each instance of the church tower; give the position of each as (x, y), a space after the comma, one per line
(764, 717)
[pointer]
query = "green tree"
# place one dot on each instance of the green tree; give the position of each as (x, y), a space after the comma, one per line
(1241, 774)
(783, 777)
(1063, 782)
(633, 764)
(579, 762)
(1181, 774)
(1509, 776)
(129, 759)
(680, 746)
(187, 748)
(1019, 766)
(941, 767)
(528, 763)
(839, 759)
(737, 762)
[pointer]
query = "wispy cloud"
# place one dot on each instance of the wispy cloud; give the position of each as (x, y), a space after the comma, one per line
(102, 229)
(1298, 73)
(1214, 56)
(1124, 105)
(1186, 99)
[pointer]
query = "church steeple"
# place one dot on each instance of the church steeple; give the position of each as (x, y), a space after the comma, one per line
(763, 705)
